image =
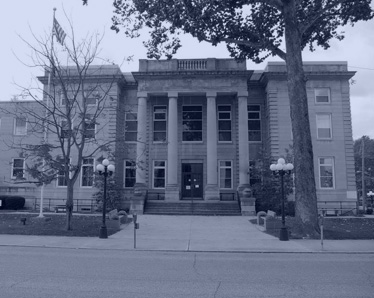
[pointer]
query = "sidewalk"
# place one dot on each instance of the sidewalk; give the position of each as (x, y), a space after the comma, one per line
(193, 233)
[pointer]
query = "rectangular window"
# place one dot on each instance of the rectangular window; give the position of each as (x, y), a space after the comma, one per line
(324, 130)
(89, 129)
(159, 123)
(131, 126)
(192, 123)
(322, 95)
(130, 173)
(20, 126)
(224, 123)
(254, 123)
(18, 168)
(159, 173)
(87, 172)
(225, 174)
(326, 172)
(91, 97)
(61, 178)
(65, 129)
(62, 96)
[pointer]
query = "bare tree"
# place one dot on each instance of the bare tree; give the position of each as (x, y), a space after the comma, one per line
(74, 105)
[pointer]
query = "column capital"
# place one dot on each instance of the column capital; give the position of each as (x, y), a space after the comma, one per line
(173, 94)
(142, 94)
(211, 94)
(242, 93)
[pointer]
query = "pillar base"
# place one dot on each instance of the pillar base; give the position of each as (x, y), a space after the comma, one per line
(172, 193)
(211, 193)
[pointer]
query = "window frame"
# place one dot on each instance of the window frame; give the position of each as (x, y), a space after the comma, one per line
(328, 95)
(93, 172)
(160, 120)
(330, 126)
(88, 121)
(333, 172)
(231, 172)
(194, 120)
(218, 121)
(13, 168)
(259, 119)
(89, 95)
(15, 131)
(129, 167)
(154, 167)
(131, 131)
(58, 176)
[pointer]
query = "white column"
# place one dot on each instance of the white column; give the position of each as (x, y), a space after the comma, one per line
(172, 189)
(243, 137)
(211, 189)
(141, 146)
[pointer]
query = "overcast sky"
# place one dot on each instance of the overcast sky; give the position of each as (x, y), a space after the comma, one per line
(18, 18)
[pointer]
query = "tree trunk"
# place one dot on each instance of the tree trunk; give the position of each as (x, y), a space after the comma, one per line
(69, 205)
(305, 186)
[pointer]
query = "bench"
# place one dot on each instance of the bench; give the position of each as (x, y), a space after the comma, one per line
(59, 208)
(338, 211)
(85, 208)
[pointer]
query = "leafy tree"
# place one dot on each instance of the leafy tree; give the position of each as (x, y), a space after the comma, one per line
(254, 30)
(368, 163)
(114, 189)
(266, 188)
(72, 116)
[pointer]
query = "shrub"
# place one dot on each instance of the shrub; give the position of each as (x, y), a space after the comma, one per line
(12, 202)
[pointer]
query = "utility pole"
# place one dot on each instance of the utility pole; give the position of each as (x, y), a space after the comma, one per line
(363, 188)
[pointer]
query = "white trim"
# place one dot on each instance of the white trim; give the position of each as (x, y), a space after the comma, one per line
(153, 172)
(124, 173)
(81, 172)
(14, 126)
(12, 168)
(202, 117)
(160, 120)
(333, 172)
(330, 124)
(259, 120)
(231, 167)
(218, 119)
(328, 95)
(131, 131)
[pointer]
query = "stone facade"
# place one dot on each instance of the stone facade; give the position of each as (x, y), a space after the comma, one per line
(192, 128)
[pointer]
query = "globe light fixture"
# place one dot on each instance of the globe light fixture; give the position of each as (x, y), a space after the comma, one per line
(106, 169)
(280, 169)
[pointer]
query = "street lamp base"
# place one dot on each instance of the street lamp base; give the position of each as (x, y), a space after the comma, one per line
(103, 233)
(283, 235)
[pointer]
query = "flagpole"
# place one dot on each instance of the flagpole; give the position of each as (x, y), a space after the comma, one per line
(46, 114)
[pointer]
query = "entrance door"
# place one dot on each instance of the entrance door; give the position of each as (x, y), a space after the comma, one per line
(192, 179)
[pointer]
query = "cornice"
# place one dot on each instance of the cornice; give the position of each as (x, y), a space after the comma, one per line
(327, 75)
(178, 74)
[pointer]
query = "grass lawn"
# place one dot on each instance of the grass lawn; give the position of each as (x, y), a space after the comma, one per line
(337, 228)
(83, 225)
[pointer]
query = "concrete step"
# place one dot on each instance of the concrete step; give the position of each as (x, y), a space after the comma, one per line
(192, 208)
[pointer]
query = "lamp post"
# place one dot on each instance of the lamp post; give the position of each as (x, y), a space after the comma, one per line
(281, 168)
(105, 169)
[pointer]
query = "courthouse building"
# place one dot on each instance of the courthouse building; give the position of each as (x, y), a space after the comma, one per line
(193, 129)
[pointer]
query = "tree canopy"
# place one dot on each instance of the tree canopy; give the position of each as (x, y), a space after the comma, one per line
(251, 29)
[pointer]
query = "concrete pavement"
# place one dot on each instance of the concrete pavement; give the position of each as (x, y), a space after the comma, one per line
(193, 233)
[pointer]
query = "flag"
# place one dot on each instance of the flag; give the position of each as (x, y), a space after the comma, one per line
(59, 32)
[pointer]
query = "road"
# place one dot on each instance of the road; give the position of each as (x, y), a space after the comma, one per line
(50, 272)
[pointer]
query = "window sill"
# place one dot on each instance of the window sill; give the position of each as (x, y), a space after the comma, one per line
(192, 142)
